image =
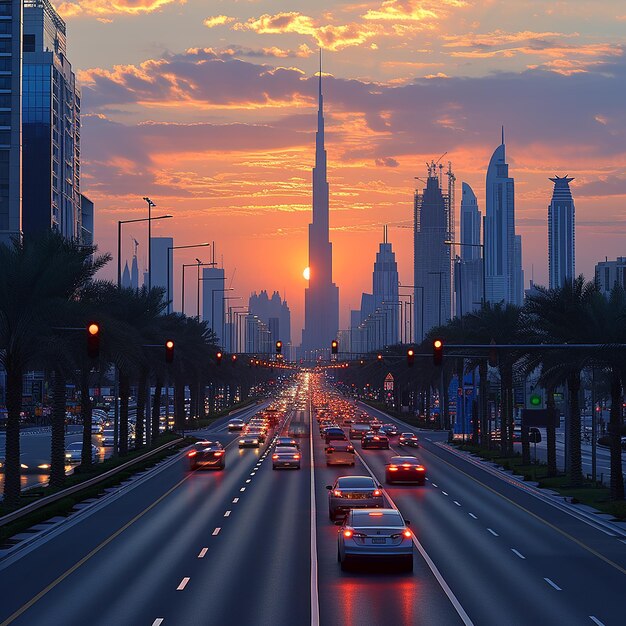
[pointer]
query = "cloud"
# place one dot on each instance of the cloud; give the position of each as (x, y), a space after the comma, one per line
(386, 162)
(103, 8)
(612, 185)
(218, 20)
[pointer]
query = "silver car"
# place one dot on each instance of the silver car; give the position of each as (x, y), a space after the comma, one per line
(380, 534)
(74, 451)
(249, 441)
(286, 456)
(352, 492)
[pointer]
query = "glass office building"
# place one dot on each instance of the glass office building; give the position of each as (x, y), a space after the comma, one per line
(50, 127)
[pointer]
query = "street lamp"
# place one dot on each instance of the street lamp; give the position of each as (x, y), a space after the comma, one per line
(230, 330)
(169, 250)
(119, 240)
(230, 321)
(150, 205)
(182, 295)
(482, 256)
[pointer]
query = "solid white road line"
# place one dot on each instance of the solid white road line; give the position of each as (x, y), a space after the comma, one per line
(158, 621)
(227, 514)
(465, 618)
(493, 532)
(553, 584)
(472, 515)
(315, 602)
(217, 531)
(235, 500)
(203, 553)
(457, 503)
(183, 583)
(521, 556)
(595, 620)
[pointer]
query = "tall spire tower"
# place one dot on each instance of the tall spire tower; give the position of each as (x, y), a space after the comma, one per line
(321, 298)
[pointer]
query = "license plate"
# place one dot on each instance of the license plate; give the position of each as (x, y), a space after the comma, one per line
(379, 540)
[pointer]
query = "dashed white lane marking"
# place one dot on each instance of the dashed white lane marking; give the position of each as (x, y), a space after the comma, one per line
(433, 484)
(235, 500)
(472, 515)
(595, 620)
(247, 481)
(158, 621)
(183, 583)
(242, 489)
(521, 556)
(427, 439)
(457, 503)
(553, 584)
(217, 531)
(427, 478)
(444, 493)
(252, 473)
(203, 553)
(227, 514)
(493, 532)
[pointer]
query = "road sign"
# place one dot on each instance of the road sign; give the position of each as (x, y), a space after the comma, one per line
(388, 384)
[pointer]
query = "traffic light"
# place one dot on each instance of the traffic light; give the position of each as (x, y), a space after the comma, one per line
(535, 400)
(334, 346)
(169, 351)
(438, 352)
(379, 358)
(93, 340)
(279, 347)
(493, 354)
(233, 359)
(410, 357)
(218, 358)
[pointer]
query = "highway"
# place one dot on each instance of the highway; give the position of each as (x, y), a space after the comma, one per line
(250, 545)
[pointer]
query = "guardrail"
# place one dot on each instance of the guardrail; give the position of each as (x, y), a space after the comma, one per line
(34, 506)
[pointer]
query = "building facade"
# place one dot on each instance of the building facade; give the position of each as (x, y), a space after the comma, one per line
(610, 273)
(321, 297)
(274, 312)
(503, 249)
(159, 261)
(10, 119)
(50, 127)
(561, 233)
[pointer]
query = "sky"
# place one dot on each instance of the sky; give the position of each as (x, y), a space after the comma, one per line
(209, 108)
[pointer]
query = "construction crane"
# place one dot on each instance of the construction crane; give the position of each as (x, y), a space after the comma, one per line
(136, 244)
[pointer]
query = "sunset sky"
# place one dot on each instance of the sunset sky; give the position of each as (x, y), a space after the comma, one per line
(208, 107)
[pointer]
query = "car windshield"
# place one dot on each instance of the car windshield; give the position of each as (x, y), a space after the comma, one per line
(368, 520)
(407, 434)
(398, 460)
(355, 482)
(206, 444)
(75, 446)
(286, 450)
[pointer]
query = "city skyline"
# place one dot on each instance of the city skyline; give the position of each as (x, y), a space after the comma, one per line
(242, 154)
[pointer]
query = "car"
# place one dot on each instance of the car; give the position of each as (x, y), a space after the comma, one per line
(249, 441)
(334, 434)
(405, 469)
(349, 492)
(74, 451)
(391, 430)
(375, 440)
(287, 441)
(259, 433)
(207, 454)
(358, 430)
(298, 430)
(236, 424)
(375, 534)
(409, 439)
(340, 453)
(286, 456)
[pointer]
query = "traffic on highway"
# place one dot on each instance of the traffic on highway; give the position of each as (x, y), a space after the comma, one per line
(311, 508)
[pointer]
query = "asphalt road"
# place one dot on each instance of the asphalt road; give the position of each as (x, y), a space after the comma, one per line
(238, 547)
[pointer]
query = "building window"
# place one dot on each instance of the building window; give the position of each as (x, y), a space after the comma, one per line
(29, 43)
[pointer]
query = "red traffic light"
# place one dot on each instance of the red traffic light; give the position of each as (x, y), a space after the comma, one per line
(379, 358)
(437, 352)
(93, 340)
(218, 358)
(169, 351)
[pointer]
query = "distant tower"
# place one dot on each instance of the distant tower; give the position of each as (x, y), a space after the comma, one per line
(433, 226)
(321, 298)
(470, 224)
(126, 284)
(385, 291)
(134, 269)
(561, 233)
(503, 249)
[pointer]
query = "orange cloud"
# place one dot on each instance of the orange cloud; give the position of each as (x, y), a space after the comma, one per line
(218, 20)
(100, 8)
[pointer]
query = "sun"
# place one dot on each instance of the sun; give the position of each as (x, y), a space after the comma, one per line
(306, 273)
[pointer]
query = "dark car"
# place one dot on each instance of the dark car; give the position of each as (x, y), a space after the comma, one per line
(390, 430)
(334, 434)
(236, 424)
(207, 454)
(375, 440)
(409, 439)
(405, 469)
(298, 430)
(287, 441)
(351, 492)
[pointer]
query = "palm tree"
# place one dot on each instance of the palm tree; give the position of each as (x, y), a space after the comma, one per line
(36, 276)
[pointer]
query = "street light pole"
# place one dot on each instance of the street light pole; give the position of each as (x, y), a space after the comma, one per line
(482, 247)
(150, 205)
(182, 294)
(169, 250)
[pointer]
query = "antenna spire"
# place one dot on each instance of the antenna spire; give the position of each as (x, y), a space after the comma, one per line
(502, 134)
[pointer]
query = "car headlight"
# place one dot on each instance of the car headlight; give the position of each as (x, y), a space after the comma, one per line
(44, 466)
(68, 455)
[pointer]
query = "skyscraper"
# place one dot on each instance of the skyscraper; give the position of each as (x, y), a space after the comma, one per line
(274, 312)
(433, 226)
(321, 298)
(10, 119)
(160, 260)
(468, 274)
(609, 274)
(385, 291)
(50, 127)
(561, 233)
(503, 251)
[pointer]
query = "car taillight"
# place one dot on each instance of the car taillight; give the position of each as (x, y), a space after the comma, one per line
(350, 449)
(296, 456)
(377, 492)
(330, 449)
(406, 465)
(337, 493)
(420, 469)
(407, 533)
(347, 533)
(393, 468)
(192, 453)
(218, 453)
(274, 456)
(376, 438)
